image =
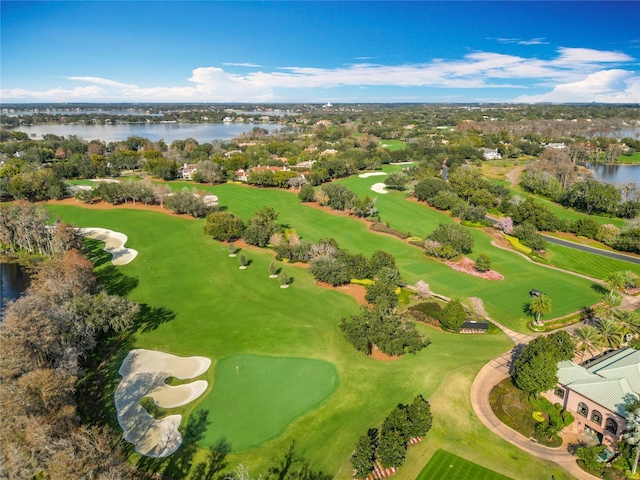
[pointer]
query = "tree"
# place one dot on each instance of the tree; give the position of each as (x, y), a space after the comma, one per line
(483, 263)
(538, 306)
(329, 270)
(243, 261)
(273, 270)
(285, 279)
(397, 180)
(224, 226)
(364, 456)
(209, 172)
(392, 450)
(535, 374)
(307, 193)
(632, 435)
(615, 281)
(454, 235)
(453, 315)
(629, 322)
(587, 339)
(609, 333)
(420, 417)
(608, 306)
(261, 226)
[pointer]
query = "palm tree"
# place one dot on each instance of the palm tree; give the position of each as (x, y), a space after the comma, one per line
(628, 321)
(609, 333)
(632, 435)
(540, 305)
(587, 339)
(608, 305)
(615, 281)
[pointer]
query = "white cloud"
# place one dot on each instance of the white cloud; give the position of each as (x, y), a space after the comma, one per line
(533, 41)
(574, 72)
(250, 65)
(606, 86)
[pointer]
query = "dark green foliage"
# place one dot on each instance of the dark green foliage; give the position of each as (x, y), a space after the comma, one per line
(446, 200)
(378, 261)
(483, 263)
(535, 370)
(338, 196)
(330, 270)
(392, 450)
(307, 193)
(535, 374)
(381, 227)
(429, 187)
(528, 235)
(453, 315)
(558, 418)
(586, 227)
(36, 186)
(391, 332)
(420, 417)
(187, 202)
(261, 226)
(628, 241)
(429, 309)
(396, 180)
(356, 264)
(161, 168)
(363, 207)
(110, 192)
(365, 454)
(592, 196)
(224, 227)
(454, 235)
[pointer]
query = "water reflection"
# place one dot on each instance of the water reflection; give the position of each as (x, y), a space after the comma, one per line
(14, 280)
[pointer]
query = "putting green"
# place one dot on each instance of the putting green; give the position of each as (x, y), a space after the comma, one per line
(444, 465)
(255, 398)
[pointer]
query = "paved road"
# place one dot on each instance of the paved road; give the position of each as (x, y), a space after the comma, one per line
(596, 251)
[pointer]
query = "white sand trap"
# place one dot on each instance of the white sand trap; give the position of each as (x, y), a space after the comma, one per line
(379, 188)
(371, 174)
(143, 375)
(113, 243)
(401, 163)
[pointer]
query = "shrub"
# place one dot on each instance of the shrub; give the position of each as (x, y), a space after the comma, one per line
(417, 241)
(453, 235)
(329, 270)
(453, 315)
(483, 263)
(381, 227)
(224, 227)
(517, 246)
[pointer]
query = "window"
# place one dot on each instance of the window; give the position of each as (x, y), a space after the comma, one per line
(583, 410)
(611, 426)
(559, 392)
(596, 417)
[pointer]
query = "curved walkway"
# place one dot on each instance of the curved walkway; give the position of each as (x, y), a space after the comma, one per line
(492, 374)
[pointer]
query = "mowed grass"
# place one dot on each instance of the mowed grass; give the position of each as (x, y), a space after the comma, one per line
(447, 466)
(255, 398)
(220, 311)
(504, 299)
(393, 144)
(585, 263)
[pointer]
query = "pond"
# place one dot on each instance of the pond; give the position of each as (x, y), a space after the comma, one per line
(617, 174)
(14, 280)
(202, 132)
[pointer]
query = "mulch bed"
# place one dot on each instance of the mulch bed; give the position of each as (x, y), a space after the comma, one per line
(465, 265)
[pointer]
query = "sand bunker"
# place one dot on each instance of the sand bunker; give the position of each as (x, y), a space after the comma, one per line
(143, 375)
(379, 188)
(113, 243)
(371, 174)
(401, 163)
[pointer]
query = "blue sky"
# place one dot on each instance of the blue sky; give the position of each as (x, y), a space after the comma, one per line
(209, 51)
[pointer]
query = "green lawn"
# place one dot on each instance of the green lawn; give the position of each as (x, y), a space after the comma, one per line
(255, 398)
(586, 263)
(634, 158)
(202, 304)
(447, 466)
(393, 144)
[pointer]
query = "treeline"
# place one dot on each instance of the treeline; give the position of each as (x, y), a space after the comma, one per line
(388, 446)
(46, 340)
(26, 228)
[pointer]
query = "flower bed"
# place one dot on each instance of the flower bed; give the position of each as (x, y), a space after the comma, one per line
(466, 265)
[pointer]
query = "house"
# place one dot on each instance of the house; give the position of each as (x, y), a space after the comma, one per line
(556, 146)
(187, 170)
(597, 391)
(490, 153)
(243, 175)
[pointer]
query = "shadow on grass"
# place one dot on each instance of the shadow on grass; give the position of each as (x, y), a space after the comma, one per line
(151, 318)
(599, 289)
(179, 464)
(94, 250)
(115, 282)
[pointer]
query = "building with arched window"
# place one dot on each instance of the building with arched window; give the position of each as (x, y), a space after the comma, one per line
(597, 391)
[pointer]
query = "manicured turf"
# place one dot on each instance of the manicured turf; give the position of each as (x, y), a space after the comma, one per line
(585, 263)
(393, 144)
(202, 304)
(255, 398)
(447, 466)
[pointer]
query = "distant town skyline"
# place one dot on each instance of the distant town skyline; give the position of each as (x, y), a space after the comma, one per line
(338, 52)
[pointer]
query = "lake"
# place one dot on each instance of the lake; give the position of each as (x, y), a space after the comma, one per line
(202, 132)
(13, 282)
(615, 173)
